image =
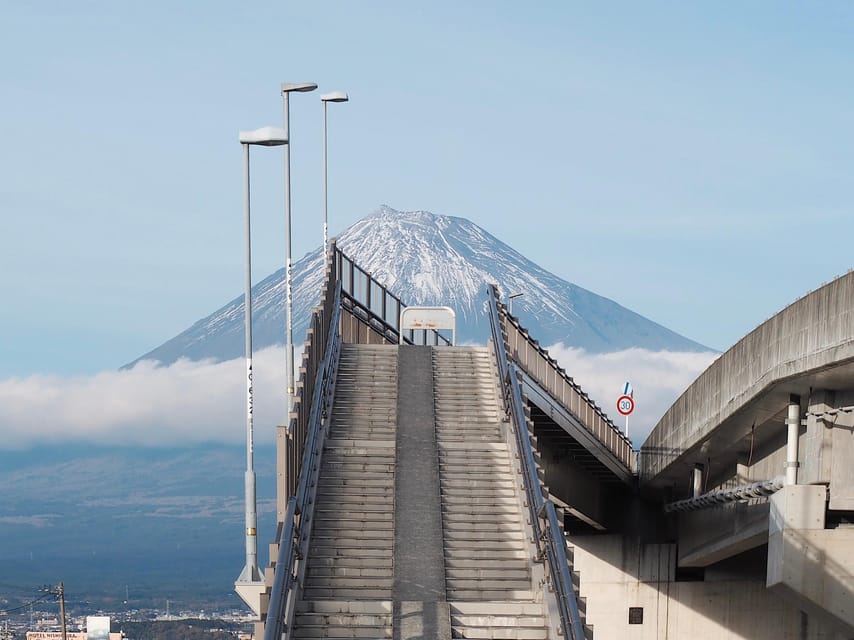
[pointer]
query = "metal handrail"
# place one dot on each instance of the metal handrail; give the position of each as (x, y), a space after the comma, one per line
(318, 402)
(538, 365)
(283, 578)
(281, 601)
(389, 305)
(541, 509)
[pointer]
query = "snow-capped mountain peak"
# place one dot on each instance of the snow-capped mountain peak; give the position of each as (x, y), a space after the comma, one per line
(428, 259)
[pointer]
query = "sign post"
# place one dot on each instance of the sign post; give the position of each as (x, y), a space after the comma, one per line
(625, 406)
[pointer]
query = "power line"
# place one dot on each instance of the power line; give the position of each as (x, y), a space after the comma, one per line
(44, 596)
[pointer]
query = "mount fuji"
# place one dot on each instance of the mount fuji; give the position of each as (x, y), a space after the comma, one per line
(428, 259)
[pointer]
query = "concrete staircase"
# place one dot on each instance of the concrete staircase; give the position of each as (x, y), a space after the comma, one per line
(363, 578)
(350, 574)
(487, 555)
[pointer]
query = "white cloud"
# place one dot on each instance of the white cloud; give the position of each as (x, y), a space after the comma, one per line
(195, 402)
(184, 403)
(658, 379)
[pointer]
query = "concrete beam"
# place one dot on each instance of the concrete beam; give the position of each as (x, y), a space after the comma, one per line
(710, 535)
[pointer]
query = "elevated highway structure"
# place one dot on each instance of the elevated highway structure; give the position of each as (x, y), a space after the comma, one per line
(755, 461)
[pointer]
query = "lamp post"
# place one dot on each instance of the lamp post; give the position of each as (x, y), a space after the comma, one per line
(510, 301)
(250, 583)
(287, 89)
(335, 96)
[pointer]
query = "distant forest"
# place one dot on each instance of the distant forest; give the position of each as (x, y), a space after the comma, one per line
(191, 629)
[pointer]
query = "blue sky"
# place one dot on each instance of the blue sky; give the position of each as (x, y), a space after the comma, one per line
(693, 163)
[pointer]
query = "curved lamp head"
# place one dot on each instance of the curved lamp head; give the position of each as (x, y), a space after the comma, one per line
(287, 87)
(265, 136)
(335, 96)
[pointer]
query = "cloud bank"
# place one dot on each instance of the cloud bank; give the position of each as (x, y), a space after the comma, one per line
(657, 377)
(204, 402)
(183, 404)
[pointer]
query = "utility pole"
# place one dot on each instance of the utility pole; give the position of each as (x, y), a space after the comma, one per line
(61, 593)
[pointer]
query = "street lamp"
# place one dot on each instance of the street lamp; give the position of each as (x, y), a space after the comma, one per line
(510, 301)
(335, 96)
(250, 583)
(287, 88)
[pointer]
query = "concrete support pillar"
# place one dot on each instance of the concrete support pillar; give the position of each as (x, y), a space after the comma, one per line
(793, 422)
(815, 450)
(742, 470)
(698, 480)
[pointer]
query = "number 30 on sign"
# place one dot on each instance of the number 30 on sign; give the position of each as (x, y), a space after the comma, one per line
(625, 405)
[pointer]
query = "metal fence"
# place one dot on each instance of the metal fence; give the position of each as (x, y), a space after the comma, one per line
(374, 316)
(548, 535)
(545, 371)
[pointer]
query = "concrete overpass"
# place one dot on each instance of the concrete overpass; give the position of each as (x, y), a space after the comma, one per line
(756, 458)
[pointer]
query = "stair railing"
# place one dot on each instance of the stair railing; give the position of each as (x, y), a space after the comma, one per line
(544, 520)
(375, 307)
(297, 523)
(346, 287)
(283, 580)
(539, 366)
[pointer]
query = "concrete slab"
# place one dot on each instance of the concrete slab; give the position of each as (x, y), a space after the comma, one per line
(419, 565)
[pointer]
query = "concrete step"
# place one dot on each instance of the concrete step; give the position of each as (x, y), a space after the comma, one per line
(351, 572)
(331, 467)
(379, 511)
(518, 562)
(314, 581)
(456, 481)
(350, 620)
(386, 527)
(477, 466)
(343, 454)
(349, 490)
(332, 514)
(483, 446)
(496, 576)
(353, 593)
(478, 492)
(479, 595)
(497, 537)
(366, 536)
(484, 514)
(375, 607)
(492, 589)
(363, 541)
(369, 554)
(462, 630)
(454, 434)
(352, 562)
(355, 480)
(457, 552)
(373, 434)
(497, 608)
(498, 525)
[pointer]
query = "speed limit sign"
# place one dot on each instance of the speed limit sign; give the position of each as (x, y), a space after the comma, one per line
(625, 405)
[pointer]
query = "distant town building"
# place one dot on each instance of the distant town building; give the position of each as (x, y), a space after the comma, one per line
(97, 628)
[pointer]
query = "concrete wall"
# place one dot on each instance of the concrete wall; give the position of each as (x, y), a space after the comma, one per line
(732, 603)
(807, 562)
(810, 334)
